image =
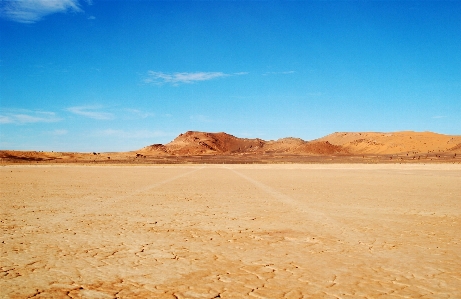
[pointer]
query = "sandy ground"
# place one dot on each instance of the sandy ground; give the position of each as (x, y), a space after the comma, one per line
(231, 231)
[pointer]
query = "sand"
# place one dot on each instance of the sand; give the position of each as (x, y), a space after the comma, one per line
(231, 231)
(414, 143)
(218, 148)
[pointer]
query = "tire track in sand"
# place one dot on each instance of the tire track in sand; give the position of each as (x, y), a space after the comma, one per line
(333, 227)
(116, 200)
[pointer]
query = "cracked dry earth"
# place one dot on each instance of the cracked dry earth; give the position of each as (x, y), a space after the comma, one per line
(231, 231)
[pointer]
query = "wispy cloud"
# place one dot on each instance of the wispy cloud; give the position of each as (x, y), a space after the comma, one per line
(58, 132)
(279, 73)
(160, 78)
(136, 134)
(177, 78)
(31, 11)
(136, 113)
(438, 116)
(91, 112)
(22, 116)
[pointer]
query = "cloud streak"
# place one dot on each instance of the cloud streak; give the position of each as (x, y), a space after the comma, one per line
(176, 78)
(278, 73)
(160, 78)
(59, 132)
(11, 116)
(136, 134)
(91, 112)
(31, 11)
(137, 114)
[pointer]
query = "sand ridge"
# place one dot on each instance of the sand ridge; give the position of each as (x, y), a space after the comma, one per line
(193, 142)
(396, 142)
(230, 231)
(217, 148)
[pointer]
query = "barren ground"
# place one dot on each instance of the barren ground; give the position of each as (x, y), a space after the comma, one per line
(231, 231)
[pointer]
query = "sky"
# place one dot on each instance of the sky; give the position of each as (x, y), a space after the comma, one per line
(94, 75)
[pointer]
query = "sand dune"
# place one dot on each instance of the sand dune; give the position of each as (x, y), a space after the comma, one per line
(204, 143)
(194, 143)
(221, 147)
(395, 143)
(411, 143)
(299, 146)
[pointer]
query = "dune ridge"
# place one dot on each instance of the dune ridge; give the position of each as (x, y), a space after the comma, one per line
(395, 142)
(197, 143)
(221, 147)
(202, 143)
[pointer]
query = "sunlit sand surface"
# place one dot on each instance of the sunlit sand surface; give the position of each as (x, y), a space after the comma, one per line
(231, 231)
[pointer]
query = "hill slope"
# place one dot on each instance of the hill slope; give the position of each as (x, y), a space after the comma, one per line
(394, 143)
(353, 143)
(342, 145)
(199, 143)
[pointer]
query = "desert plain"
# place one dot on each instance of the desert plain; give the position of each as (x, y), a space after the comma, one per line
(231, 231)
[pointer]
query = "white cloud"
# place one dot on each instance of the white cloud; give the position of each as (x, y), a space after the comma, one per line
(177, 78)
(6, 119)
(279, 73)
(31, 11)
(91, 112)
(438, 116)
(22, 116)
(139, 113)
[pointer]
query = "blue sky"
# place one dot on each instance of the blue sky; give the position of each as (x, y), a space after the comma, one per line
(80, 75)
